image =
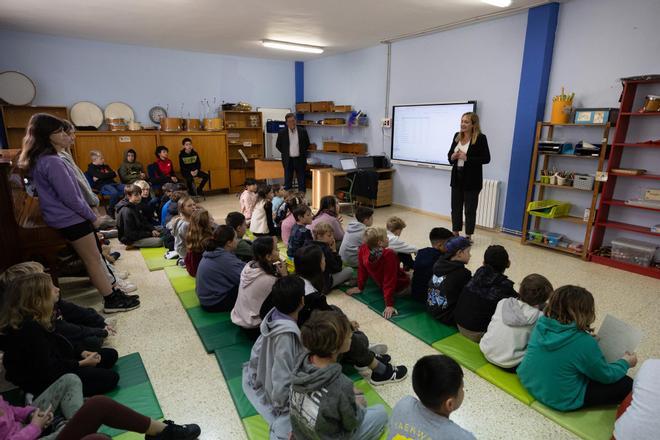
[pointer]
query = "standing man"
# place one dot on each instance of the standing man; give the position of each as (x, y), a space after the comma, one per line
(293, 143)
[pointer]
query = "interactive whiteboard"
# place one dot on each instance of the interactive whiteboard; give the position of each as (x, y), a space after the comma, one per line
(423, 133)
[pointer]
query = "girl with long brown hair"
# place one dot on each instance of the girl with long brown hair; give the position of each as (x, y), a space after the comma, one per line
(199, 232)
(62, 203)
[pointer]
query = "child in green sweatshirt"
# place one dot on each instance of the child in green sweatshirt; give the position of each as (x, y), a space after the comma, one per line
(564, 367)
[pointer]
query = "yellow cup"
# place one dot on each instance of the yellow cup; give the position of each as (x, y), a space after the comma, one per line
(561, 112)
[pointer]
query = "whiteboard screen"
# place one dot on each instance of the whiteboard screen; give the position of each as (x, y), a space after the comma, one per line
(422, 133)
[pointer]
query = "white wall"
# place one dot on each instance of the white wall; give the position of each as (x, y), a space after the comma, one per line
(68, 70)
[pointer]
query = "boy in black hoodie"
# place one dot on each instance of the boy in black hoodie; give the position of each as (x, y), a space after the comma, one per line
(191, 167)
(134, 229)
(449, 277)
(425, 260)
(323, 402)
(103, 180)
(480, 296)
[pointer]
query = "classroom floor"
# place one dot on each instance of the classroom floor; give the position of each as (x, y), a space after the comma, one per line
(191, 388)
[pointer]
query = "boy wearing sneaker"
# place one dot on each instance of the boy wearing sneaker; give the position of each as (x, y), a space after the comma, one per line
(438, 383)
(324, 404)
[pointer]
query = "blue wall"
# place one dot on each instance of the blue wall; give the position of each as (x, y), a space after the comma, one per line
(68, 70)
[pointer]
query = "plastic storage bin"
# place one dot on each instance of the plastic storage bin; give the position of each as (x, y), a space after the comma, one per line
(535, 236)
(549, 208)
(553, 238)
(633, 251)
(583, 181)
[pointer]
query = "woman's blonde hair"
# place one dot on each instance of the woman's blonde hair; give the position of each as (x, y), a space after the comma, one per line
(476, 127)
(570, 304)
(199, 231)
(374, 235)
(28, 296)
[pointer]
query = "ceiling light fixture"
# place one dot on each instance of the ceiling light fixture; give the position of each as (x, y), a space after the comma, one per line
(283, 45)
(499, 3)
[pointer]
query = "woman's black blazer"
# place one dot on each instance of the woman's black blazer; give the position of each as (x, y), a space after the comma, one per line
(477, 155)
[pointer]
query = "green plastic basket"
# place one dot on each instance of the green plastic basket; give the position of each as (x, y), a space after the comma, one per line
(549, 208)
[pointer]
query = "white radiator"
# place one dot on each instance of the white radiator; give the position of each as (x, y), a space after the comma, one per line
(488, 201)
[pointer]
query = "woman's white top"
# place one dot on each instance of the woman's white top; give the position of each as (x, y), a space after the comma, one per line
(464, 149)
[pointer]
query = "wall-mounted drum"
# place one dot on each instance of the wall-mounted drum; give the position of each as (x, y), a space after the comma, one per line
(86, 114)
(16, 88)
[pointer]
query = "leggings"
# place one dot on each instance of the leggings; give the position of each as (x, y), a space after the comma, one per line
(607, 394)
(459, 198)
(99, 379)
(101, 410)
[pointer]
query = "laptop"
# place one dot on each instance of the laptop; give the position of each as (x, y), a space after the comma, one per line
(348, 164)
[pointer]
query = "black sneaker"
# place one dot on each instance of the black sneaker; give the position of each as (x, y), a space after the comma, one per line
(176, 432)
(126, 295)
(391, 375)
(115, 255)
(384, 358)
(118, 301)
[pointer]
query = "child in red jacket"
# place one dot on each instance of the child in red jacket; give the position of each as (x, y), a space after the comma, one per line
(377, 261)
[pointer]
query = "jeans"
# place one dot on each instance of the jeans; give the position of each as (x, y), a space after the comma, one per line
(65, 396)
(116, 193)
(373, 424)
(297, 165)
(149, 242)
(342, 276)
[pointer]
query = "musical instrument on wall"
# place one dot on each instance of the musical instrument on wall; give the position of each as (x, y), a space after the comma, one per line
(193, 124)
(16, 88)
(171, 124)
(86, 114)
(212, 124)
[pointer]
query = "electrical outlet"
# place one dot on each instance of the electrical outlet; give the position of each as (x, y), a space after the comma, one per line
(386, 122)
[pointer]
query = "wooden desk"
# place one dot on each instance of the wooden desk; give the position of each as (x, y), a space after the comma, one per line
(325, 181)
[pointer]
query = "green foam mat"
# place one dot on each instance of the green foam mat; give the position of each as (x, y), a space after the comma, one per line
(243, 405)
(462, 350)
(222, 334)
(134, 390)
(425, 327)
(188, 299)
(256, 428)
(590, 424)
(155, 258)
(369, 294)
(508, 382)
(371, 395)
(404, 306)
(179, 279)
(129, 436)
(232, 358)
(350, 372)
(201, 318)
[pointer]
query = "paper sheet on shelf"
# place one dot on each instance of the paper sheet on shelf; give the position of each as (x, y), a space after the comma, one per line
(616, 337)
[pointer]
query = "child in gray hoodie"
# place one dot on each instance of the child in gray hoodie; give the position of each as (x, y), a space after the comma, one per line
(354, 236)
(267, 376)
(324, 404)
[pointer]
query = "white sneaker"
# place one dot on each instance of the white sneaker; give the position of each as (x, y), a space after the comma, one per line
(171, 255)
(126, 286)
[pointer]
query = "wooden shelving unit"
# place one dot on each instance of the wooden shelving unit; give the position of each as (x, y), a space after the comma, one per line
(243, 128)
(536, 190)
(621, 146)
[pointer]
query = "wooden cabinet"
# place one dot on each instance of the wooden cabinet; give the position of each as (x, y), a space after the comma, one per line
(211, 147)
(244, 134)
(15, 119)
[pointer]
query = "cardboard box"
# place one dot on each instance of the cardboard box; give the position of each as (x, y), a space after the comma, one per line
(334, 121)
(331, 146)
(323, 106)
(353, 148)
(302, 107)
(343, 108)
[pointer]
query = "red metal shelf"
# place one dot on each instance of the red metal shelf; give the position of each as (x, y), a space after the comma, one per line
(623, 203)
(637, 176)
(648, 271)
(627, 227)
(646, 145)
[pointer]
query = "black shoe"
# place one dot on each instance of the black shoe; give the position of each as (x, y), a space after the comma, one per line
(115, 255)
(176, 432)
(391, 375)
(384, 358)
(126, 295)
(118, 301)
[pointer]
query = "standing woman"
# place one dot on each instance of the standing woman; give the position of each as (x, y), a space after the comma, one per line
(468, 152)
(63, 206)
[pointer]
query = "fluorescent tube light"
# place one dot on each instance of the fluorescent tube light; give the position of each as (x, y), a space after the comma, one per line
(499, 3)
(291, 46)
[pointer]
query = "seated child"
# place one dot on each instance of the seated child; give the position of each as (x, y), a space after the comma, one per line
(481, 294)
(171, 208)
(191, 167)
(284, 219)
(299, 233)
(199, 232)
(323, 402)
(354, 236)
(179, 225)
(219, 272)
(267, 376)
(438, 383)
(257, 280)
(640, 419)
(248, 199)
(148, 205)
(130, 170)
(164, 169)
(83, 327)
(279, 193)
(395, 227)
(335, 273)
(329, 214)
(505, 341)
(35, 356)
(378, 262)
(244, 247)
(134, 230)
(449, 277)
(262, 214)
(103, 180)
(424, 262)
(564, 368)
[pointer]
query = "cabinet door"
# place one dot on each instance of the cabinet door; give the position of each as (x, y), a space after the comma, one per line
(106, 144)
(212, 150)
